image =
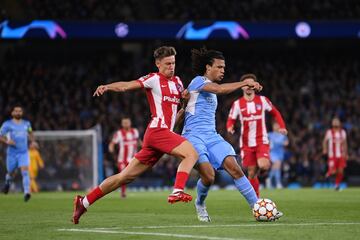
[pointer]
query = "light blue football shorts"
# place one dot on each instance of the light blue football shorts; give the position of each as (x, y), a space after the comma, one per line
(16, 160)
(211, 148)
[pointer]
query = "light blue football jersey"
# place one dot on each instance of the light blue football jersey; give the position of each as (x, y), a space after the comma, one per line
(18, 132)
(277, 148)
(201, 108)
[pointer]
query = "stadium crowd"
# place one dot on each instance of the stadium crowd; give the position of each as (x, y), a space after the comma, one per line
(308, 87)
(128, 10)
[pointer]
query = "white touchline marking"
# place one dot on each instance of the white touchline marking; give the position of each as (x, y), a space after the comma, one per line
(271, 224)
(150, 234)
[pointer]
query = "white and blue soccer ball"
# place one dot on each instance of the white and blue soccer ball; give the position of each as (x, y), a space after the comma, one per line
(264, 210)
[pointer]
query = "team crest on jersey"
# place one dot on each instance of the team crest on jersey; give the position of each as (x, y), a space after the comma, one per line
(258, 106)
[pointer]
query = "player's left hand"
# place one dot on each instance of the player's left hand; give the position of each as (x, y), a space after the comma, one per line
(283, 131)
(100, 90)
(185, 94)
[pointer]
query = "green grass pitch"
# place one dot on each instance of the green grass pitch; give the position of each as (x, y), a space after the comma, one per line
(309, 214)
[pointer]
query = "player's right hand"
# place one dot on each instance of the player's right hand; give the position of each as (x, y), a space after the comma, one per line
(100, 90)
(253, 84)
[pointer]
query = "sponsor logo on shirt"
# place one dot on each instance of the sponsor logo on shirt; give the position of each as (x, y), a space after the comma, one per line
(171, 99)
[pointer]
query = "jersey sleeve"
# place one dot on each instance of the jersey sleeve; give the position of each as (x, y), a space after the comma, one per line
(343, 134)
(4, 129)
(197, 84)
(268, 106)
(136, 133)
(148, 81)
(117, 138)
(29, 128)
(233, 114)
(327, 135)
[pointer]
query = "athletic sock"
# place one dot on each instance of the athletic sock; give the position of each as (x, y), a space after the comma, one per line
(338, 179)
(8, 179)
(26, 181)
(245, 188)
(255, 183)
(180, 181)
(202, 192)
(92, 197)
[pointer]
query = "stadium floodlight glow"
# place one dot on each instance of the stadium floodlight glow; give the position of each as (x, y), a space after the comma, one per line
(303, 29)
(50, 27)
(189, 32)
(121, 30)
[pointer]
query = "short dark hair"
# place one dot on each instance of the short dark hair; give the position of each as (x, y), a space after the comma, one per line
(248, 75)
(202, 57)
(164, 51)
(16, 105)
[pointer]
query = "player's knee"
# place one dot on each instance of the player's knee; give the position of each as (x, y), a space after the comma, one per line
(208, 178)
(264, 164)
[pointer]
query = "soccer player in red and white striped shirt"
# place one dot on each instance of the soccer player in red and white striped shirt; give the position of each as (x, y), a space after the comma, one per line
(335, 147)
(127, 140)
(254, 142)
(163, 91)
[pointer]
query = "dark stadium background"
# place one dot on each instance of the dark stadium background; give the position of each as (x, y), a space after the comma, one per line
(309, 80)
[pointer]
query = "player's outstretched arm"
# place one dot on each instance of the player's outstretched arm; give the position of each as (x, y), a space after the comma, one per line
(117, 87)
(227, 88)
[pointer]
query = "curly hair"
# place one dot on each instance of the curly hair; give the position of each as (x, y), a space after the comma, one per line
(202, 57)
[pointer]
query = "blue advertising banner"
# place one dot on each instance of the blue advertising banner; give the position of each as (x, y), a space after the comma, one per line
(232, 30)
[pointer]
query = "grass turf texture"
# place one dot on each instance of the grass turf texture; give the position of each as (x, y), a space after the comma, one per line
(309, 214)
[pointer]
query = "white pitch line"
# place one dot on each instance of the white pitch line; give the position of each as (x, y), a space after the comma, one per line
(149, 234)
(271, 224)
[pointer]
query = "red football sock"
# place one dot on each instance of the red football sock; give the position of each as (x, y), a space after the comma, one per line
(123, 190)
(255, 183)
(338, 179)
(180, 181)
(94, 195)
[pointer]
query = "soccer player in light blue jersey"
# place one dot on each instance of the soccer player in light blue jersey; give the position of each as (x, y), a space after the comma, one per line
(15, 133)
(278, 141)
(199, 128)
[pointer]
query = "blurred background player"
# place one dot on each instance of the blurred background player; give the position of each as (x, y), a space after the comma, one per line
(278, 142)
(36, 162)
(200, 127)
(15, 133)
(254, 143)
(127, 141)
(163, 90)
(336, 149)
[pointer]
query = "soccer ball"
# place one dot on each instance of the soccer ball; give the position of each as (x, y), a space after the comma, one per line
(264, 210)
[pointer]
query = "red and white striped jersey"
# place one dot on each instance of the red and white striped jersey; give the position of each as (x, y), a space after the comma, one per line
(164, 97)
(335, 140)
(252, 118)
(127, 143)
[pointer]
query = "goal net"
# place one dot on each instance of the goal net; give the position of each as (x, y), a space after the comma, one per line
(73, 159)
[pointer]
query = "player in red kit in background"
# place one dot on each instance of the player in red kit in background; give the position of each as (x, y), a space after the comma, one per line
(163, 90)
(127, 141)
(254, 142)
(335, 147)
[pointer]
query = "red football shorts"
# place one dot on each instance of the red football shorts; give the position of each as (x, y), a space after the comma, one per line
(157, 141)
(250, 155)
(336, 163)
